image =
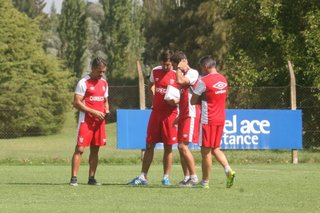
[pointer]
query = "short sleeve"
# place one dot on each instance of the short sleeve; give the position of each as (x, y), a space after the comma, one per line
(81, 88)
(200, 88)
(106, 94)
(192, 75)
(151, 79)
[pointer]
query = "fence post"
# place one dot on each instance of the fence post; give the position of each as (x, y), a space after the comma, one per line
(142, 96)
(293, 96)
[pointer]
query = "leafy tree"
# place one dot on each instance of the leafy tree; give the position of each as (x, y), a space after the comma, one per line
(95, 17)
(52, 42)
(32, 8)
(34, 88)
(73, 34)
(122, 36)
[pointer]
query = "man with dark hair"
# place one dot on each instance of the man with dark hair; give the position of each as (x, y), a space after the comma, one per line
(189, 117)
(213, 88)
(161, 126)
(91, 99)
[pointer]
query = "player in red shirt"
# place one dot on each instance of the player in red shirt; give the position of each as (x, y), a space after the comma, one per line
(189, 117)
(213, 88)
(161, 126)
(91, 99)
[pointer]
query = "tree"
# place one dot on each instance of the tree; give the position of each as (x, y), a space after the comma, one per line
(52, 42)
(95, 17)
(32, 8)
(122, 37)
(73, 34)
(34, 87)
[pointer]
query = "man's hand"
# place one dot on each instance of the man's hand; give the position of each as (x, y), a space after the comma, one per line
(183, 65)
(98, 114)
(173, 102)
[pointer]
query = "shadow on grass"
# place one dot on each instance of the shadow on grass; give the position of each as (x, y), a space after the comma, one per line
(151, 186)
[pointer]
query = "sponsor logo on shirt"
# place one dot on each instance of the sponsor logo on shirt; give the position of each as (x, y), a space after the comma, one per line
(161, 90)
(96, 98)
(220, 86)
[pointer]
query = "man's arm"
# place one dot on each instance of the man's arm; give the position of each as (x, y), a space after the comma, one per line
(195, 99)
(151, 89)
(77, 103)
(181, 70)
(181, 79)
(106, 106)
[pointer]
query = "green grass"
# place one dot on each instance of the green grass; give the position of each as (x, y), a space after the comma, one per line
(258, 188)
(35, 172)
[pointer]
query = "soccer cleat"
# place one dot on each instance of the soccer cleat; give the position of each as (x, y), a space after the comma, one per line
(138, 181)
(184, 183)
(73, 181)
(166, 182)
(201, 185)
(189, 183)
(93, 182)
(230, 178)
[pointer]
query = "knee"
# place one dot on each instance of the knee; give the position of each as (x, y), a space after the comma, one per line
(78, 150)
(182, 147)
(149, 147)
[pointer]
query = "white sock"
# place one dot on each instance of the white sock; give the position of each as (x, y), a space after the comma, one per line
(194, 177)
(165, 176)
(205, 182)
(143, 176)
(227, 169)
(186, 178)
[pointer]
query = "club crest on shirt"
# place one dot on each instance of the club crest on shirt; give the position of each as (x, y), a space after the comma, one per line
(103, 88)
(219, 85)
(91, 88)
(81, 139)
(171, 81)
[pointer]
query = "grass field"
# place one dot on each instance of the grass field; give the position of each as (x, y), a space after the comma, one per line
(258, 188)
(34, 175)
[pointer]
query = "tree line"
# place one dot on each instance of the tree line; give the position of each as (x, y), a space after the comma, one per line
(42, 55)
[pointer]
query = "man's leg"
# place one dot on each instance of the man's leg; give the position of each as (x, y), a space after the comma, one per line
(184, 164)
(147, 158)
(76, 160)
(222, 159)
(188, 157)
(75, 164)
(167, 159)
(206, 163)
(93, 160)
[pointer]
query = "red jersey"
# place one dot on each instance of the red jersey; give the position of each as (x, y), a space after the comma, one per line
(185, 107)
(161, 80)
(215, 89)
(94, 93)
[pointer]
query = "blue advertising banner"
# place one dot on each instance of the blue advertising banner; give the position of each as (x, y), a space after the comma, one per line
(244, 129)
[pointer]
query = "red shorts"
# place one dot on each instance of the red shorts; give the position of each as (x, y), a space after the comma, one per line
(188, 129)
(161, 128)
(91, 133)
(211, 135)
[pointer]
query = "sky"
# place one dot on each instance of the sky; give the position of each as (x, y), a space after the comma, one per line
(58, 4)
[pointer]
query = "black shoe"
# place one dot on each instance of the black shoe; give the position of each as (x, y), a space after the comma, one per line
(73, 181)
(93, 182)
